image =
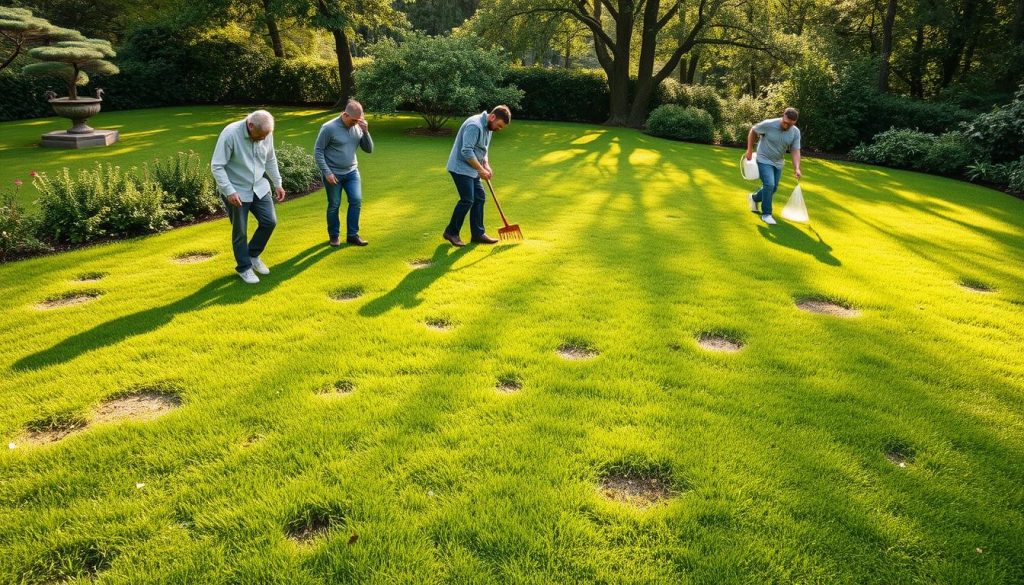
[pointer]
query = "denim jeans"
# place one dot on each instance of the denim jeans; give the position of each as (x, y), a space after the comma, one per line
(353, 187)
(770, 176)
(471, 200)
(263, 211)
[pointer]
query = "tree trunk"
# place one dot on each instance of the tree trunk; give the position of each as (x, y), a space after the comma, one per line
(344, 65)
(886, 55)
(275, 33)
(691, 68)
(618, 78)
(957, 41)
(917, 65)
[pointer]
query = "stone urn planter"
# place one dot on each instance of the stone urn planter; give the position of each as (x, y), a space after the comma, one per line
(80, 135)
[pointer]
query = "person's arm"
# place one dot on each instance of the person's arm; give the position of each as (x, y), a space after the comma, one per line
(751, 136)
(365, 141)
(221, 156)
(796, 162)
(272, 169)
(319, 151)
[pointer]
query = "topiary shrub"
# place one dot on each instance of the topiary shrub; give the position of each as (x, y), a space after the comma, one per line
(690, 124)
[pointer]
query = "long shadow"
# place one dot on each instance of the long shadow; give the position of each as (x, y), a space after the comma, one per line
(226, 290)
(406, 293)
(787, 235)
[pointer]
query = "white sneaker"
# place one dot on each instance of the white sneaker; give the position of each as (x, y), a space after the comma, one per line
(753, 204)
(249, 277)
(259, 266)
(768, 219)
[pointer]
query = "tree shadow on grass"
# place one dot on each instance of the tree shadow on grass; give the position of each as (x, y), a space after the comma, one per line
(795, 238)
(226, 290)
(406, 293)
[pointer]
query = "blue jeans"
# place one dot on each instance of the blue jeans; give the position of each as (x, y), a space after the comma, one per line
(471, 200)
(770, 176)
(353, 187)
(263, 210)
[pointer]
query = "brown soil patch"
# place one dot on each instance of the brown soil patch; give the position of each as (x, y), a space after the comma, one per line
(311, 525)
(576, 351)
(509, 384)
(419, 263)
(899, 452)
(823, 307)
(429, 132)
(897, 459)
(68, 299)
(713, 342)
(142, 405)
(349, 293)
(438, 324)
(193, 257)
(641, 491)
(49, 432)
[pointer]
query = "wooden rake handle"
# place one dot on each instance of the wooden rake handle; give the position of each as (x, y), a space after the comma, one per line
(495, 197)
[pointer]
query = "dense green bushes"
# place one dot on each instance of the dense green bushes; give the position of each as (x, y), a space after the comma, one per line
(189, 192)
(682, 123)
(17, 230)
(559, 94)
(299, 173)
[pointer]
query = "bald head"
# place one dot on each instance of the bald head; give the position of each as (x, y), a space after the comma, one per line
(352, 114)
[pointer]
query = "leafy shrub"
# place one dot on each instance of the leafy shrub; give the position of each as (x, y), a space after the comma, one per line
(1016, 182)
(896, 147)
(439, 77)
(999, 134)
(672, 121)
(703, 97)
(104, 202)
(949, 154)
(189, 192)
(998, 173)
(299, 173)
(560, 94)
(17, 230)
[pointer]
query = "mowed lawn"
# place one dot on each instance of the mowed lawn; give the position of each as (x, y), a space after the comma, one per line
(882, 448)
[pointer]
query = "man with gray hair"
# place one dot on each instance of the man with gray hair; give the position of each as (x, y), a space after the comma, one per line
(244, 153)
(777, 136)
(335, 154)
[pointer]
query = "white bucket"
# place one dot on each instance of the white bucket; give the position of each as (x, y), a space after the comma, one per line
(748, 168)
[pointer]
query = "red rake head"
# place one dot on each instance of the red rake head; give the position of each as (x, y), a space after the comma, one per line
(510, 232)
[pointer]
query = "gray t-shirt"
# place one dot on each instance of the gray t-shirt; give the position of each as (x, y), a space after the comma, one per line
(774, 142)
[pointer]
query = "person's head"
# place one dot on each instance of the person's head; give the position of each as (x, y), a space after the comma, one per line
(352, 113)
(260, 123)
(789, 117)
(499, 117)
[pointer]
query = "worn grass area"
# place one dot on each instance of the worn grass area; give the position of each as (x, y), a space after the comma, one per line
(318, 441)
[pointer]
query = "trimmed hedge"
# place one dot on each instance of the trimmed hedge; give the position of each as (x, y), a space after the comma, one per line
(682, 123)
(559, 94)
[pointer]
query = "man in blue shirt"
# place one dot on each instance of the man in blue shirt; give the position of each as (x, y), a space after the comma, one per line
(467, 164)
(335, 155)
(777, 136)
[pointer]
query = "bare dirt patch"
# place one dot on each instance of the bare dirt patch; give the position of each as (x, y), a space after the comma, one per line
(194, 256)
(420, 263)
(439, 323)
(822, 306)
(719, 342)
(90, 276)
(50, 430)
(311, 523)
(68, 299)
(509, 383)
(577, 350)
(338, 388)
(977, 286)
(143, 404)
(640, 489)
(348, 293)
(899, 453)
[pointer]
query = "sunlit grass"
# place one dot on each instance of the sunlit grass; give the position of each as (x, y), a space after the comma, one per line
(320, 441)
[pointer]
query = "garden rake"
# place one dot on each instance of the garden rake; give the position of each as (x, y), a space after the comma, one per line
(509, 232)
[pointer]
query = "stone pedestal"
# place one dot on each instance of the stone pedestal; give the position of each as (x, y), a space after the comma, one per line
(64, 139)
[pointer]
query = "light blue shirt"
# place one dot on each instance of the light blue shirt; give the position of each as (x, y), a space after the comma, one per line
(471, 143)
(239, 163)
(335, 149)
(774, 142)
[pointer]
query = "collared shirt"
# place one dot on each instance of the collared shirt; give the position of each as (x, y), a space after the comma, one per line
(335, 149)
(471, 143)
(239, 163)
(774, 142)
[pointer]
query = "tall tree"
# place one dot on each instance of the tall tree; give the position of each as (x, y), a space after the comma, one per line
(886, 53)
(20, 31)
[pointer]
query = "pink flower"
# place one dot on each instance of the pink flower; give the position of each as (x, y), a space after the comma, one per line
(33, 174)
(18, 182)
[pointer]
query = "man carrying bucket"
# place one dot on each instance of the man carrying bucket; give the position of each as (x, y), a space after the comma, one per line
(777, 136)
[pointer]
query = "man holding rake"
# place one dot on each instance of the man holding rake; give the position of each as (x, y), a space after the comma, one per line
(467, 164)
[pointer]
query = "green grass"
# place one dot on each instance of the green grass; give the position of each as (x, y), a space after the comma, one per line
(300, 413)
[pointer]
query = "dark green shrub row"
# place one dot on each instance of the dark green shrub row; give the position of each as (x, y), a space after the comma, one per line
(682, 123)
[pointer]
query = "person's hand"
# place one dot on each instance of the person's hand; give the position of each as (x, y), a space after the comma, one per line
(279, 191)
(750, 153)
(362, 124)
(332, 179)
(235, 200)
(486, 174)
(797, 174)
